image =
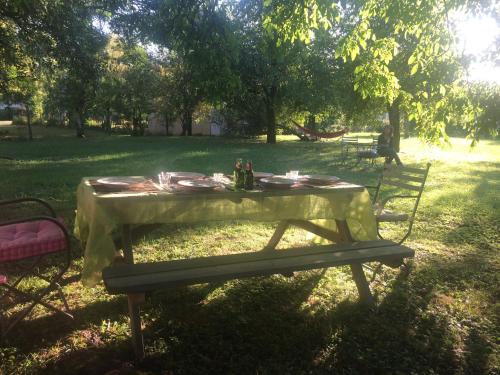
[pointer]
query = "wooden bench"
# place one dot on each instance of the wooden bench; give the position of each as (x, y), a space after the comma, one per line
(136, 279)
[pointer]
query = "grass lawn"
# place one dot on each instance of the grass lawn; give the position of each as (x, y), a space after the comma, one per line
(440, 317)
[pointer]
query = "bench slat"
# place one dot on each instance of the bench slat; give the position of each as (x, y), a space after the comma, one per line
(181, 264)
(150, 276)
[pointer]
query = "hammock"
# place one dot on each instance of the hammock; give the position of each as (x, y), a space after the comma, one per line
(321, 135)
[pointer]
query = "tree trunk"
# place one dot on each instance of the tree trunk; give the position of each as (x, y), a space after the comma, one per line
(135, 126)
(136, 123)
(140, 123)
(167, 122)
(107, 121)
(10, 114)
(78, 121)
(271, 124)
(28, 115)
(395, 121)
(187, 122)
(271, 116)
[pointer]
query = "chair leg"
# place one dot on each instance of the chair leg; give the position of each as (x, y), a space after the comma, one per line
(62, 297)
(38, 298)
(27, 271)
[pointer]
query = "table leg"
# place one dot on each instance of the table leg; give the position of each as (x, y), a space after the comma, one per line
(357, 269)
(317, 230)
(127, 244)
(277, 235)
(134, 310)
(275, 239)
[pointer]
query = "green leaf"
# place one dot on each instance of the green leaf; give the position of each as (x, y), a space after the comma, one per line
(354, 52)
(419, 107)
(414, 69)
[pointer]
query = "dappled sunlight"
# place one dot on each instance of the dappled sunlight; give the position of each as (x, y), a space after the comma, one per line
(458, 151)
(327, 267)
(441, 310)
(23, 164)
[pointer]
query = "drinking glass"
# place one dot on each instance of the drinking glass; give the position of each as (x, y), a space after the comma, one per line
(165, 178)
(218, 177)
(293, 175)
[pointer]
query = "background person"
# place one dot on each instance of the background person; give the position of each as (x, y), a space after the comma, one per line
(385, 146)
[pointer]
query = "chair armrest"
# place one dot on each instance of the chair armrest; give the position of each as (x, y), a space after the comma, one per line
(24, 200)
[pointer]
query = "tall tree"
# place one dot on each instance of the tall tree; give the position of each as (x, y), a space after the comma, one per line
(57, 34)
(199, 34)
(139, 83)
(379, 29)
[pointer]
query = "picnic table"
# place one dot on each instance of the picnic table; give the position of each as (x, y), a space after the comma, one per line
(103, 215)
(340, 212)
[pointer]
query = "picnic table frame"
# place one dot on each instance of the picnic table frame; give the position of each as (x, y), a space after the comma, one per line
(342, 235)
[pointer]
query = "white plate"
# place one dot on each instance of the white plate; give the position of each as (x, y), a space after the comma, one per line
(199, 184)
(185, 175)
(320, 179)
(261, 175)
(278, 182)
(121, 181)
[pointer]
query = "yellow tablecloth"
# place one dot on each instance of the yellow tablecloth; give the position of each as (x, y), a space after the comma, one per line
(99, 216)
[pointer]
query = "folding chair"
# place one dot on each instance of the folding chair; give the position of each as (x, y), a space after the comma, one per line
(25, 245)
(411, 182)
(346, 143)
(368, 151)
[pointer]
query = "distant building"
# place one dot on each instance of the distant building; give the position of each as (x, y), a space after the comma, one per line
(211, 125)
(13, 106)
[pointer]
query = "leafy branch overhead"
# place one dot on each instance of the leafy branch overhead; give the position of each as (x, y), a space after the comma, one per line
(402, 50)
(258, 64)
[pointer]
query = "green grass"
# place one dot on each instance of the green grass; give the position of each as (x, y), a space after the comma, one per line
(440, 317)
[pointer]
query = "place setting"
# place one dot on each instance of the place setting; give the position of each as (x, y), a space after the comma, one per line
(118, 184)
(190, 182)
(293, 180)
(242, 179)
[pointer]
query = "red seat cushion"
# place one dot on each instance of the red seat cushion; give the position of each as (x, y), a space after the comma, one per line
(29, 239)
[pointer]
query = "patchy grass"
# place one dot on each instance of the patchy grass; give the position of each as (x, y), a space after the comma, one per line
(440, 316)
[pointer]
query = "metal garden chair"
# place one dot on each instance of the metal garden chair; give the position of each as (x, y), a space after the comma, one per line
(347, 143)
(25, 246)
(409, 183)
(368, 151)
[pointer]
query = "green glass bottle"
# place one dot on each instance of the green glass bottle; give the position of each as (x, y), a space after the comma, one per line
(249, 176)
(239, 175)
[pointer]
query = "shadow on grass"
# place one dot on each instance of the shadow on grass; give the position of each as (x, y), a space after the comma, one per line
(271, 325)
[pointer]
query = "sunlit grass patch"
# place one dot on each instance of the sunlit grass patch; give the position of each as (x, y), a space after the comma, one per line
(438, 315)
